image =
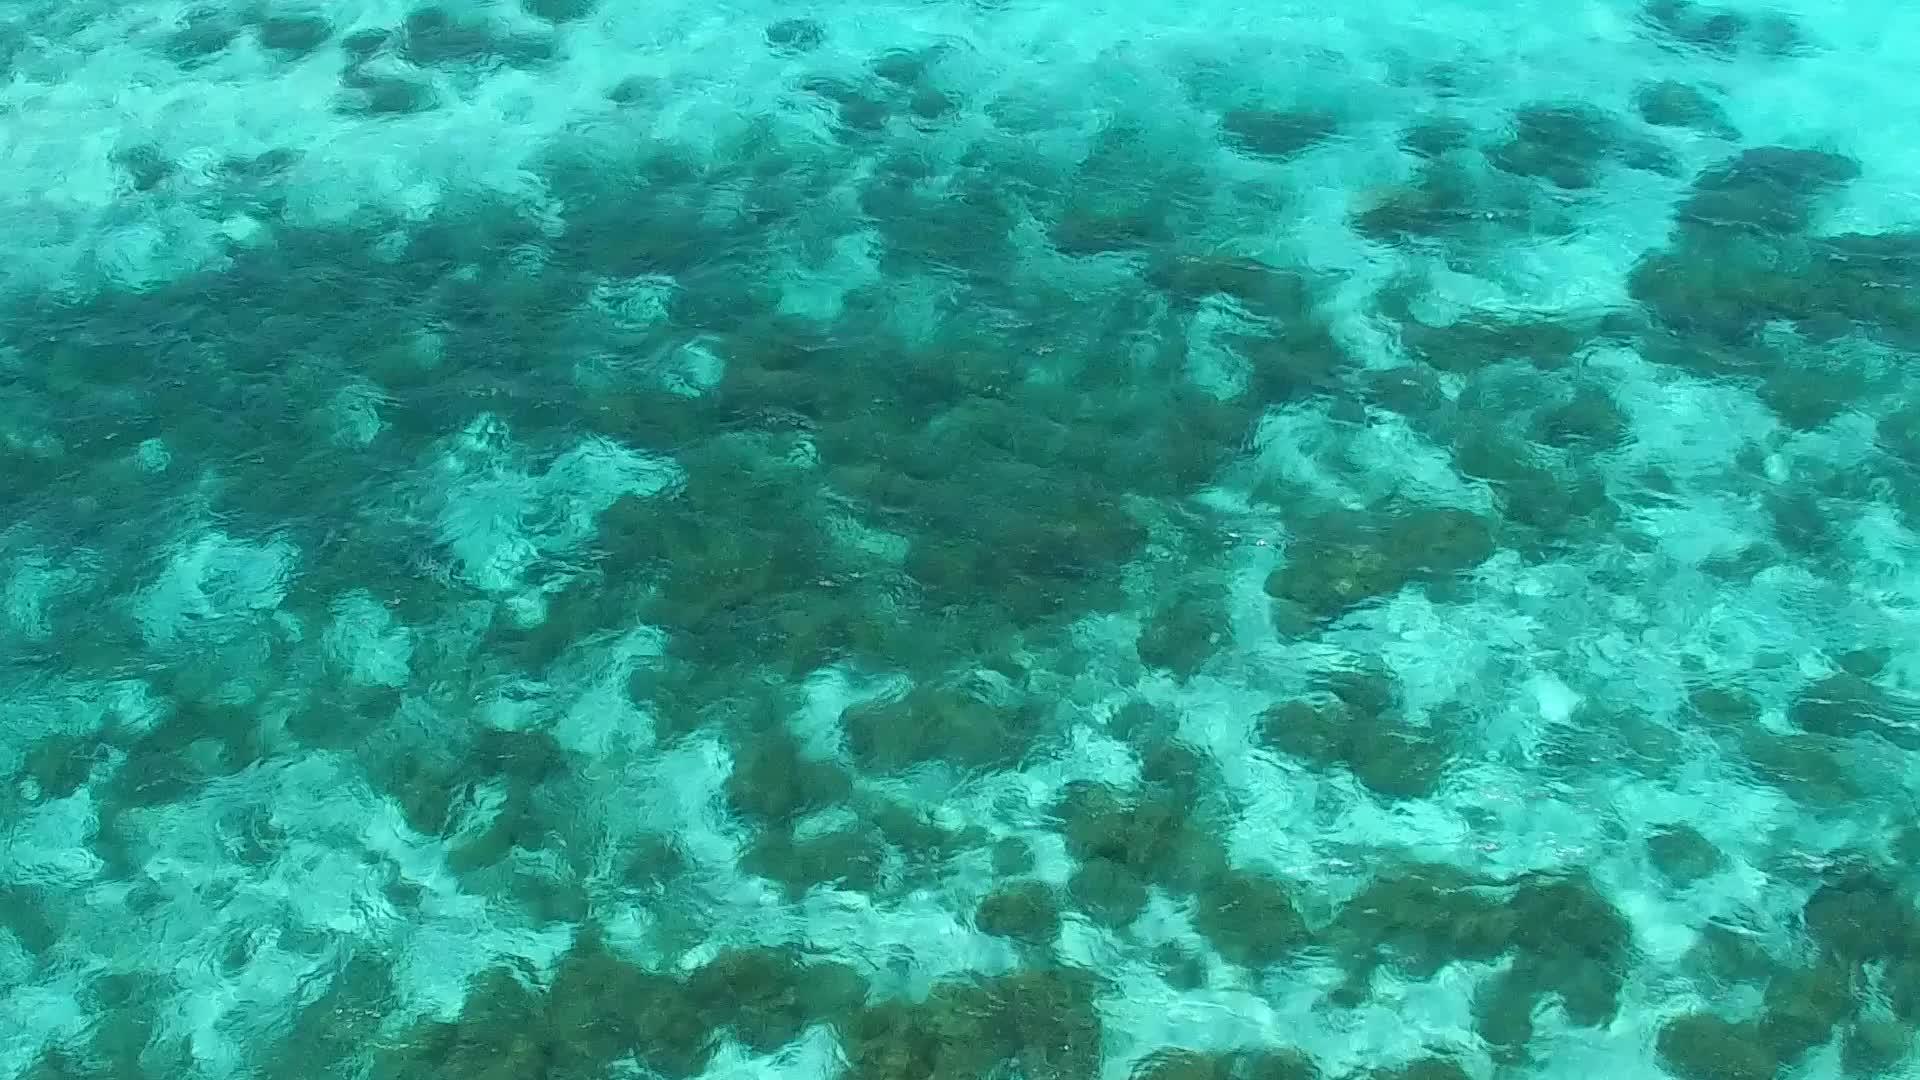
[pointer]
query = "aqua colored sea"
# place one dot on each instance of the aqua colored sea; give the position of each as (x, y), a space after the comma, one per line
(959, 540)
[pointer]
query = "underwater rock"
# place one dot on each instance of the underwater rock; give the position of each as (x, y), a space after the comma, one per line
(560, 11)
(1436, 137)
(794, 36)
(1184, 631)
(1564, 144)
(1429, 1068)
(293, 35)
(1671, 103)
(1706, 1047)
(1683, 855)
(1394, 759)
(1154, 834)
(1803, 1006)
(1025, 911)
(432, 36)
(1274, 1064)
(1342, 561)
(772, 782)
(1277, 133)
(1110, 892)
(1041, 1024)
(206, 33)
(1249, 918)
(846, 858)
(1768, 191)
(1723, 31)
(1875, 1046)
(939, 723)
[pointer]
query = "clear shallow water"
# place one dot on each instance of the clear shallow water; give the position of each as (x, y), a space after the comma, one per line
(939, 541)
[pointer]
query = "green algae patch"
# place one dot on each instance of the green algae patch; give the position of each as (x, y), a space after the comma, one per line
(1898, 434)
(334, 1030)
(863, 109)
(1589, 420)
(124, 1041)
(1126, 194)
(1702, 1046)
(1277, 134)
(1453, 203)
(1572, 942)
(1804, 766)
(1803, 1006)
(1478, 342)
(1675, 104)
(1546, 505)
(1436, 136)
(293, 35)
(1875, 1046)
(1181, 965)
(1178, 768)
(1416, 922)
(1845, 705)
(1154, 834)
(1811, 393)
(519, 823)
(1384, 757)
(1356, 723)
(560, 11)
(683, 697)
(1722, 31)
(1007, 527)
(58, 765)
(1009, 494)
(1412, 390)
(772, 782)
(1746, 252)
(1016, 488)
(509, 1029)
(1262, 288)
(1111, 893)
(1561, 937)
(600, 1013)
(1010, 857)
(204, 34)
(925, 843)
(35, 915)
(1038, 1023)
(1340, 562)
(765, 997)
(966, 726)
(846, 857)
(1683, 855)
(966, 226)
(747, 572)
(1184, 630)
(203, 739)
(649, 861)
(1426, 1068)
(1263, 1064)
(432, 36)
(1026, 911)
(1858, 915)
(1565, 145)
(1170, 767)
(1249, 918)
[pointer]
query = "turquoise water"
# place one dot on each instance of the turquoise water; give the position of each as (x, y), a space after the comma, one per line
(948, 540)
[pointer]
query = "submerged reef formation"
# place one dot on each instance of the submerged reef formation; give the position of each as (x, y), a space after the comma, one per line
(955, 552)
